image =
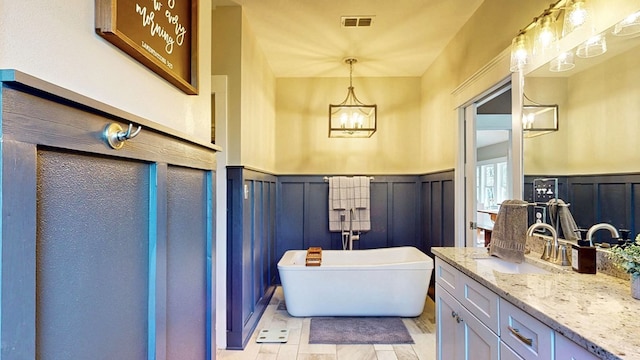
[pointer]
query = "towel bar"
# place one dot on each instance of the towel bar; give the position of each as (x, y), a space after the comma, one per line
(326, 178)
(535, 204)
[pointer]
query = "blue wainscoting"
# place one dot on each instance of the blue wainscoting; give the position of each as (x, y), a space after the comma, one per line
(414, 210)
(251, 261)
(608, 198)
(279, 213)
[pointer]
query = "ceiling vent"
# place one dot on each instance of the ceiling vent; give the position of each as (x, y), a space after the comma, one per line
(357, 21)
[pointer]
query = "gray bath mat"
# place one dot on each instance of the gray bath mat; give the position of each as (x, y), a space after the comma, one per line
(358, 330)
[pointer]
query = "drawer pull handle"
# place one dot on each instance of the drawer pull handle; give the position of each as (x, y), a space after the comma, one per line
(520, 337)
(453, 314)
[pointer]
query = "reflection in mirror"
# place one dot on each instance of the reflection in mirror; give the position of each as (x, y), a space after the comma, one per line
(595, 152)
(539, 119)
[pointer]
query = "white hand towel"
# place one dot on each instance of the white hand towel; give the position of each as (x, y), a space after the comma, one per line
(338, 192)
(361, 189)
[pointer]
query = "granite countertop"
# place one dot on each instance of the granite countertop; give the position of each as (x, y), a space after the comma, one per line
(595, 311)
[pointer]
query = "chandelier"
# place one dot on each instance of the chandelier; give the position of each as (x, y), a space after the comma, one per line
(352, 118)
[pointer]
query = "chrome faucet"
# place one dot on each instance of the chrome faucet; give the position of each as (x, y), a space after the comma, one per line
(596, 227)
(351, 229)
(352, 236)
(549, 252)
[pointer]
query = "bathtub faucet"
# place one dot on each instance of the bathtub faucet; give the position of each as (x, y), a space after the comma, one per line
(352, 236)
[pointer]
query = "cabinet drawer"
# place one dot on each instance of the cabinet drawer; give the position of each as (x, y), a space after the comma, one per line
(527, 336)
(568, 350)
(446, 276)
(480, 301)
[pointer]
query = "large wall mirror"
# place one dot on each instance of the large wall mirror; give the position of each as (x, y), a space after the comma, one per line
(595, 151)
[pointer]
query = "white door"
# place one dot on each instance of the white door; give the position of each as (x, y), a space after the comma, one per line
(487, 136)
(470, 175)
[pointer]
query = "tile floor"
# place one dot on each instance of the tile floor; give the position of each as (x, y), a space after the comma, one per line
(422, 330)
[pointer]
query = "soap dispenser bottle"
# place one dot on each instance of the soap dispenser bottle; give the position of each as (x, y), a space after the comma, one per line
(583, 255)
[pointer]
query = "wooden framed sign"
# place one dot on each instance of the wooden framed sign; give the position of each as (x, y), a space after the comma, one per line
(161, 34)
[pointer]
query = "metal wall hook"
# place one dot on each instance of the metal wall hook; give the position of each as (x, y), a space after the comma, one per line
(126, 135)
(116, 136)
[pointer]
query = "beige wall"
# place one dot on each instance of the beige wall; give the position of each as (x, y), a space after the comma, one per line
(251, 90)
(402, 144)
(547, 152)
(226, 45)
(303, 145)
(484, 36)
(56, 41)
(258, 106)
(417, 130)
(598, 123)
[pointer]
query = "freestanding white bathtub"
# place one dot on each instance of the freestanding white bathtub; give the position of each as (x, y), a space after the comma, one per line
(375, 282)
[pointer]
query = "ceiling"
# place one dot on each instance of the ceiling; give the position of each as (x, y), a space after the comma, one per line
(305, 38)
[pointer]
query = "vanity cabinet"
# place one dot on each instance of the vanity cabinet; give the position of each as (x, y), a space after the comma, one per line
(460, 335)
(467, 316)
(473, 322)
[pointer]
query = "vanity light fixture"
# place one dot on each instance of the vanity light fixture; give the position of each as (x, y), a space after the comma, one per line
(594, 46)
(629, 26)
(520, 53)
(563, 62)
(547, 35)
(352, 118)
(541, 35)
(578, 14)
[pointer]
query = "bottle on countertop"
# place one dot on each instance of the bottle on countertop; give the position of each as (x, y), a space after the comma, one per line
(583, 255)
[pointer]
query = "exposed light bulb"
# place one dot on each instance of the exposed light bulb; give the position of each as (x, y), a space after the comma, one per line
(343, 120)
(578, 14)
(519, 53)
(547, 35)
(527, 120)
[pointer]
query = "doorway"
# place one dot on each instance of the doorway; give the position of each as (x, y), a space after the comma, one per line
(488, 161)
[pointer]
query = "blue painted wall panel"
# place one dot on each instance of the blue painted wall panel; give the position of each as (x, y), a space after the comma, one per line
(448, 212)
(92, 258)
(85, 265)
(247, 261)
(316, 228)
(610, 198)
(186, 263)
(290, 217)
(249, 243)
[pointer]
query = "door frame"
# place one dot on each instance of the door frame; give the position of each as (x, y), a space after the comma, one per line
(485, 81)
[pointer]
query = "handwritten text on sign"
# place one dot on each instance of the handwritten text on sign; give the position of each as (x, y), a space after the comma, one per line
(170, 36)
(160, 34)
